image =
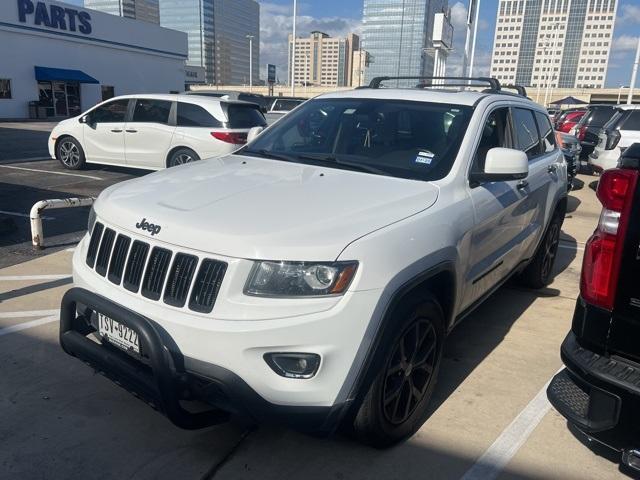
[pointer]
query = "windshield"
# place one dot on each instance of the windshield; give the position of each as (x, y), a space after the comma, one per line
(391, 137)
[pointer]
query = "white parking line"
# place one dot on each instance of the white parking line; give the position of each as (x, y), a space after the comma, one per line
(51, 172)
(26, 215)
(29, 313)
(17, 278)
(26, 325)
(571, 247)
(500, 453)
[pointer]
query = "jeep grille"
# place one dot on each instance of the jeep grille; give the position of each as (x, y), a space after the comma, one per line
(130, 264)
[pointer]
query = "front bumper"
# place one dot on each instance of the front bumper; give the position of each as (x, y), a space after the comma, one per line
(163, 377)
(598, 394)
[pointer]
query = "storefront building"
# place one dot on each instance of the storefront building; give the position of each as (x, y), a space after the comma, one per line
(58, 59)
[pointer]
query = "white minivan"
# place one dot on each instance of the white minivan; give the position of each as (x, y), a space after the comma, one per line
(154, 131)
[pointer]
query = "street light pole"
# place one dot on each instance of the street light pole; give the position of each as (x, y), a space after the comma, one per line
(250, 37)
(473, 42)
(620, 93)
(634, 73)
(293, 50)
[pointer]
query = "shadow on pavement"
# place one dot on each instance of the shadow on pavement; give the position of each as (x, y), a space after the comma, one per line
(34, 288)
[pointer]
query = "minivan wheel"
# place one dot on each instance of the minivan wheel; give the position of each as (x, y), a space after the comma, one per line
(538, 273)
(396, 405)
(182, 156)
(70, 153)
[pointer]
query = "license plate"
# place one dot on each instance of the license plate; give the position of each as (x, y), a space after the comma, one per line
(118, 334)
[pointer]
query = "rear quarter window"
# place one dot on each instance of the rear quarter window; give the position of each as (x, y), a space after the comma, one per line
(245, 116)
(632, 122)
(191, 115)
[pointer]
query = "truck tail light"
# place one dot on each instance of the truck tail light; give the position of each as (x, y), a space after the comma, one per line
(237, 138)
(603, 252)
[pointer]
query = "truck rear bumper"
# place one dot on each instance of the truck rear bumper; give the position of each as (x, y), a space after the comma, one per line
(600, 395)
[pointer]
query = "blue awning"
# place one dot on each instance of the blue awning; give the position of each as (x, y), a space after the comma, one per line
(47, 74)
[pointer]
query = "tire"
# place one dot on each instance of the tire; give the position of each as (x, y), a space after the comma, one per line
(70, 153)
(182, 156)
(395, 406)
(538, 273)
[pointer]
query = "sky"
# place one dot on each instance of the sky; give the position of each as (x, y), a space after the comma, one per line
(339, 17)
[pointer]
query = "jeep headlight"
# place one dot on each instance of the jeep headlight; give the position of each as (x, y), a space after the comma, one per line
(299, 279)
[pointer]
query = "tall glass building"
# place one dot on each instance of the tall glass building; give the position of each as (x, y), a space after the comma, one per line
(234, 20)
(561, 43)
(196, 18)
(145, 10)
(397, 34)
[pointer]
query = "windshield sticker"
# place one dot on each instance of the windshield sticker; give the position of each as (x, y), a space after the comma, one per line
(425, 157)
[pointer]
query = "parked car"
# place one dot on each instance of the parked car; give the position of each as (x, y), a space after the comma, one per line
(568, 119)
(588, 128)
(622, 130)
(261, 100)
(553, 113)
(599, 389)
(313, 276)
(571, 149)
(153, 131)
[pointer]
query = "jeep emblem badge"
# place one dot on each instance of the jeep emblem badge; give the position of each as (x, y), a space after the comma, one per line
(152, 228)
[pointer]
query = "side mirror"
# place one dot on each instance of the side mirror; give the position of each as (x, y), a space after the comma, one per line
(503, 164)
(84, 119)
(253, 133)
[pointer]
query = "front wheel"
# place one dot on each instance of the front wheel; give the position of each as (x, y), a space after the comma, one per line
(182, 156)
(70, 153)
(396, 405)
(538, 273)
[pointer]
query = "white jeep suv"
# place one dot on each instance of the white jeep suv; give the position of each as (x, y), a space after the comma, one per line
(313, 276)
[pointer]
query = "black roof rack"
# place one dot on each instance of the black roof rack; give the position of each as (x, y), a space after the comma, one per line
(493, 83)
(518, 88)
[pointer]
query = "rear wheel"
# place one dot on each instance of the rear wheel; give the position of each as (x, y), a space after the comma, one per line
(182, 156)
(70, 153)
(538, 273)
(395, 406)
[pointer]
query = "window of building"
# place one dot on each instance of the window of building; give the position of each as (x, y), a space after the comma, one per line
(108, 92)
(5, 88)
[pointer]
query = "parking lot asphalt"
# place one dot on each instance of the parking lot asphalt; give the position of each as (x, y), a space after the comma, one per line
(490, 417)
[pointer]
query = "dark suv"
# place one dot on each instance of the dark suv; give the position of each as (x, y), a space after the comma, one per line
(588, 128)
(599, 390)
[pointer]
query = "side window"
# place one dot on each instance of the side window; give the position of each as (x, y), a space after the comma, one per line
(112, 112)
(547, 135)
(526, 132)
(495, 133)
(152, 111)
(191, 115)
(632, 122)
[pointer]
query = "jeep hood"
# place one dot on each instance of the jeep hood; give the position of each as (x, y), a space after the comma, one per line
(249, 207)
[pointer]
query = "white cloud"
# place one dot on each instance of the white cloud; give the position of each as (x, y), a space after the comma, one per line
(625, 43)
(276, 24)
(629, 14)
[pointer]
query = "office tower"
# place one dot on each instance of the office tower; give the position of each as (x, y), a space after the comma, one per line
(195, 17)
(145, 10)
(322, 60)
(553, 43)
(234, 20)
(397, 34)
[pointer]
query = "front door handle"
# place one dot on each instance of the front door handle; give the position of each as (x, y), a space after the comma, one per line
(522, 184)
(131, 131)
(115, 130)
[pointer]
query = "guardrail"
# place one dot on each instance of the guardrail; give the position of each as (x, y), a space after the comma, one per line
(37, 235)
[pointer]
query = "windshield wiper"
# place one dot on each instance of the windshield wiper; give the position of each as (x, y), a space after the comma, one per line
(331, 159)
